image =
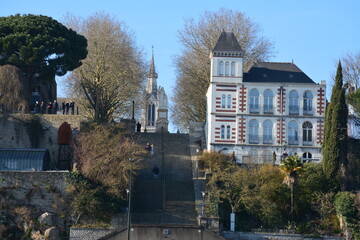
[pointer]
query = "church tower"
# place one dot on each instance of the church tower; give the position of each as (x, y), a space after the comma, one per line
(154, 115)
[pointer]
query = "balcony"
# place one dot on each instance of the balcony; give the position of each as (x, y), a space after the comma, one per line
(292, 140)
(294, 110)
(253, 139)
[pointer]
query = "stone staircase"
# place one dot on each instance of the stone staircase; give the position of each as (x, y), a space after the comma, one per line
(170, 199)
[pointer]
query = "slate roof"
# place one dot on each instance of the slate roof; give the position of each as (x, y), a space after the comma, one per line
(152, 73)
(227, 43)
(276, 72)
(24, 159)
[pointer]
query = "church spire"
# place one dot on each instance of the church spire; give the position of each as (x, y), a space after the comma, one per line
(152, 76)
(152, 73)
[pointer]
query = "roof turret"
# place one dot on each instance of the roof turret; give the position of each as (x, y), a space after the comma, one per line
(227, 45)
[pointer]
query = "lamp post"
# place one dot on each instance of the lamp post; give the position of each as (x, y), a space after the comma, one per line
(203, 202)
(197, 164)
(128, 191)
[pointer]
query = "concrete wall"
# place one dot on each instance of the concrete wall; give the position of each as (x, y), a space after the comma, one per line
(270, 236)
(14, 131)
(155, 232)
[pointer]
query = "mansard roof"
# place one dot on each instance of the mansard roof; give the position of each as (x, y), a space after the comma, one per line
(276, 72)
(227, 45)
(152, 73)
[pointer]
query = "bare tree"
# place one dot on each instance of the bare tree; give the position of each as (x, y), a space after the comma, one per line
(111, 76)
(14, 96)
(193, 64)
(351, 69)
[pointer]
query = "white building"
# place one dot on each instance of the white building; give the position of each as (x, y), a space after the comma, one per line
(154, 115)
(271, 109)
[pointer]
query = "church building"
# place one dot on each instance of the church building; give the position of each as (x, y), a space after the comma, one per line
(271, 111)
(154, 116)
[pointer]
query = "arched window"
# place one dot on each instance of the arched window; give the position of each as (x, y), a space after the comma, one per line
(267, 157)
(254, 101)
(233, 69)
(306, 157)
(307, 133)
(293, 102)
(308, 97)
(149, 114)
(223, 100)
(153, 115)
(253, 131)
(229, 101)
(267, 132)
(228, 133)
(268, 101)
(222, 132)
(293, 133)
(253, 157)
(221, 68)
(227, 69)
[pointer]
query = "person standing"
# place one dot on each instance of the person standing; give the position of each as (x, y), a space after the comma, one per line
(67, 106)
(56, 107)
(156, 172)
(63, 108)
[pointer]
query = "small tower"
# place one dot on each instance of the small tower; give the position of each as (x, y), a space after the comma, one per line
(155, 109)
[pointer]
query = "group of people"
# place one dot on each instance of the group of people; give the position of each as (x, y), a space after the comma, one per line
(150, 148)
(54, 108)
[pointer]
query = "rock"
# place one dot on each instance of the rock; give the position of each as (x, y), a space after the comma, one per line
(52, 234)
(47, 218)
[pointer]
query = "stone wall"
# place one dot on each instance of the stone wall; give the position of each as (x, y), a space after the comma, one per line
(15, 133)
(39, 192)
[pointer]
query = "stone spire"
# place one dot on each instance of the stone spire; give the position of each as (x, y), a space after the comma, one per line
(152, 77)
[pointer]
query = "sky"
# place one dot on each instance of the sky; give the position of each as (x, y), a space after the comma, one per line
(313, 34)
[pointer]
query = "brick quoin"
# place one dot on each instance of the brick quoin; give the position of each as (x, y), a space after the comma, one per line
(320, 101)
(242, 99)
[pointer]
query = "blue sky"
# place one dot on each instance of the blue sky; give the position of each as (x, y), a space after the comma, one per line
(314, 34)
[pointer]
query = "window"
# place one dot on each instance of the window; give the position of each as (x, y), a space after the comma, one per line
(151, 115)
(221, 68)
(232, 68)
(306, 157)
(267, 132)
(253, 157)
(227, 69)
(228, 134)
(308, 103)
(307, 133)
(268, 101)
(293, 102)
(253, 131)
(229, 101)
(223, 99)
(293, 133)
(267, 157)
(254, 101)
(222, 132)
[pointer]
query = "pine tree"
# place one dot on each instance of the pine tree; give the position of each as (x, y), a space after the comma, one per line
(335, 135)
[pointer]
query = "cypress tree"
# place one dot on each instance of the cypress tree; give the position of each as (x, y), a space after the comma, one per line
(335, 135)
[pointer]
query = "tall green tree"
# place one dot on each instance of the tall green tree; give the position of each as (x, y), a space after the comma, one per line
(193, 64)
(111, 76)
(335, 135)
(40, 45)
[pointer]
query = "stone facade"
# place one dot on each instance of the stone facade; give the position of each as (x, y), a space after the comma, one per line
(154, 116)
(260, 114)
(15, 132)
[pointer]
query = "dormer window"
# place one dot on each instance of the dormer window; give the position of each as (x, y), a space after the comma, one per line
(291, 76)
(264, 75)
